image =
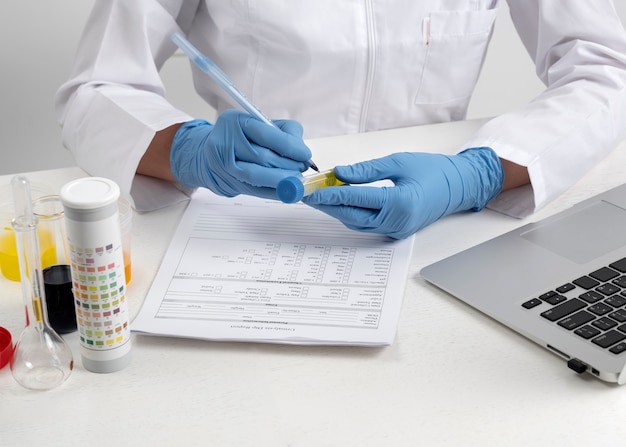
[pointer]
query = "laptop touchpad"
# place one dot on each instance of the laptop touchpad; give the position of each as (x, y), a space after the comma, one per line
(585, 235)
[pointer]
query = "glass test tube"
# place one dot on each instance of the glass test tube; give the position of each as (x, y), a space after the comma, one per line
(292, 189)
(41, 358)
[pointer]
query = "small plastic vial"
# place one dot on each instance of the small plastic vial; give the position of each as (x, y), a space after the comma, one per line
(97, 267)
(292, 189)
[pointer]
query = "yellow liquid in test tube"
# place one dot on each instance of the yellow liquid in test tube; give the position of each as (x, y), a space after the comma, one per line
(292, 189)
(318, 181)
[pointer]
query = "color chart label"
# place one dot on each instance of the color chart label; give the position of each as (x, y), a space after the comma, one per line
(100, 296)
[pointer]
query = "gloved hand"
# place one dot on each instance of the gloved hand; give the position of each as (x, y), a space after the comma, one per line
(427, 187)
(239, 154)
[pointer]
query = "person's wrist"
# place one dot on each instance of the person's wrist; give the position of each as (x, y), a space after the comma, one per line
(482, 177)
(186, 147)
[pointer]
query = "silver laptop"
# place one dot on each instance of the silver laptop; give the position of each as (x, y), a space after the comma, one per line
(560, 282)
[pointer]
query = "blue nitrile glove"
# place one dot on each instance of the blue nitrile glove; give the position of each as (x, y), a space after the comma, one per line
(239, 154)
(427, 187)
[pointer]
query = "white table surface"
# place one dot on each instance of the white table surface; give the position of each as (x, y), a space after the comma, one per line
(453, 377)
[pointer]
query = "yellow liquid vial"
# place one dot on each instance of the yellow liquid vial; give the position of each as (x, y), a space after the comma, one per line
(292, 189)
(9, 264)
(127, 266)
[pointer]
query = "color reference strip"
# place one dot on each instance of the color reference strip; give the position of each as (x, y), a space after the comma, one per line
(99, 293)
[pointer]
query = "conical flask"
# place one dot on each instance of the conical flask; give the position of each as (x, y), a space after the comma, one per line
(41, 359)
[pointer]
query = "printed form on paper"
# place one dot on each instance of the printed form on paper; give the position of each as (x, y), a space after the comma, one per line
(249, 269)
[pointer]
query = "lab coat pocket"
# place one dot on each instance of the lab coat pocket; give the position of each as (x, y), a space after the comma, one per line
(456, 44)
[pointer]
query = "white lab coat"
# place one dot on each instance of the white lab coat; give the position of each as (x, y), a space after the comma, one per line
(351, 66)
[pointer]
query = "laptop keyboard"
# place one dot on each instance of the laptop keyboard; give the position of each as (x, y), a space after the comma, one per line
(594, 309)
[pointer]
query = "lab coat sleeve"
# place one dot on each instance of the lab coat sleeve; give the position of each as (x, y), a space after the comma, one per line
(579, 50)
(114, 102)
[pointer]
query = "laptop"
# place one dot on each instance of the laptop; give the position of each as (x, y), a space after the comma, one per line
(561, 282)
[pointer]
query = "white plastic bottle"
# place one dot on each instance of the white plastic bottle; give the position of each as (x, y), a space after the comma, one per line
(97, 264)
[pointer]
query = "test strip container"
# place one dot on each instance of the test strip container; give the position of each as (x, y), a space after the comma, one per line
(97, 268)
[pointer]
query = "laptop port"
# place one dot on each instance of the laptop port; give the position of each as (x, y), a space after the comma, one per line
(561, 353)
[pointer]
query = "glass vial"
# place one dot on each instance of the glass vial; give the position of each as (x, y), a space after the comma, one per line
(292, 189)
(41, 358)
(55, 262)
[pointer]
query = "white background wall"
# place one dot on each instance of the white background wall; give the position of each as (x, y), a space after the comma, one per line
(37, 43)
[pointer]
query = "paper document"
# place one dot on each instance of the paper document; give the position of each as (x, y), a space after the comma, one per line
(248, 269)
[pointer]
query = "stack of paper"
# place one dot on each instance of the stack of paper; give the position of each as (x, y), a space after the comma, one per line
(248, 269)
